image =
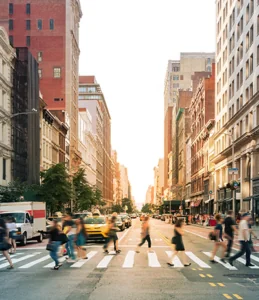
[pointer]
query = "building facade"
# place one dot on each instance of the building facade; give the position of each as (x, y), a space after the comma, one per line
(124, 181)
(237, 106)
(92, 98)
(50, 29)
(158, 182)
(7, 56)
(117, 187)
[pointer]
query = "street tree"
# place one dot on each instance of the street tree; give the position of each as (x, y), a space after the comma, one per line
(147, 208)
(56, 188)
(117, 208)
(126, 202)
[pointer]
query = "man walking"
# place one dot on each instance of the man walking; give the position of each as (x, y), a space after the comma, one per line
(70, 231)
(243, 237)
(230, 230)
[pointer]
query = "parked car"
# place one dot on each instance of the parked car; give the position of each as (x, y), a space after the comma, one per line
(162, 218)
(81, 215)
(96, 227)
(133, 216)
(126, 219)
(120, 223)
(158, 217)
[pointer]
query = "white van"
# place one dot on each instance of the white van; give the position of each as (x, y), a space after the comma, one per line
(29, 216)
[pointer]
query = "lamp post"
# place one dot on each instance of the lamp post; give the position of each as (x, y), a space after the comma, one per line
(6, 118)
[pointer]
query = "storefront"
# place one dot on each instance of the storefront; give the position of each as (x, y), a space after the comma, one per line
(209, 206)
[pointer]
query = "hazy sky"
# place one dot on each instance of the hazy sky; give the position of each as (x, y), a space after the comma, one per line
(126, 44)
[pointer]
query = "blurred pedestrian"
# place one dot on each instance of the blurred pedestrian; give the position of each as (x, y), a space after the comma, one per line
(4, 245)
(177, 241)
(230, 229)
(11, 226)
(243, 237)
(251, 232)
(112, 236)
(145, 234)
(81, 237)
(218, 240)
(70, 230)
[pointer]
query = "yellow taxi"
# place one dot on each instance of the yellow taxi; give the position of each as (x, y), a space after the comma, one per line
(96, 227)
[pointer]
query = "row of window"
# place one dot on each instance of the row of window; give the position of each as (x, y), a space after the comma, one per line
(56, 72)
(28, 24)
(27, 8)
(85, 89)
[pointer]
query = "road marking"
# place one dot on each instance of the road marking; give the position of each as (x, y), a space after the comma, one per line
(16, 260)
(243, 261)
(200, 269)
(153, 261)
(124, 234)
(202, 275)
(52, 264)
(81, 262)
(227, 296)
(144, 246)
(193, 269)
(105, 262)
(212, 284)
(129, 259)
(221, 284)
(210, 276)
(14, 255)
(197, 260)
(203, 237)
(177, 263)
(35, 262)
(237, 296)
(217, 259)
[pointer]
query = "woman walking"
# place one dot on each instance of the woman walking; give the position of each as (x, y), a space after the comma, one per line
(218, 240)
(81, 237)
(178, 242)
(11, 226)
(145, 234)
(112, 236)
(4, 246)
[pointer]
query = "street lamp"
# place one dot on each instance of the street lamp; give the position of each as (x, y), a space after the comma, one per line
(231, 135)
(6, 118)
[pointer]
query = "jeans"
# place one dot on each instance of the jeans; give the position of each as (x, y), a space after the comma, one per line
(146, 238)
(70, 246)
(245, 249)
(229, 246)
(54, 254)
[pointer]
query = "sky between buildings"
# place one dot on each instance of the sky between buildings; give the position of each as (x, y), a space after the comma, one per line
(126, 44)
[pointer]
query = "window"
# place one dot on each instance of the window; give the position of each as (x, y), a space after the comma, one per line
(28, 8)
(40, 24)
(91, 89)
(175, 85)
(58, 99)
(247, 68)
(10, 8)
(51, 24)
(251, 63)
(251, 90)
(247, 14)
(247, 94)
(40, 73)
(175, 77)
(176, 69)
(251, 35)
(181, 77)
(11, 40)
(28, 40)
(258, 25)
(57, 72)
(241, 77)
(82, 89)
(39, 56)
(237, 105)
(4, 169)
(11, 24)
(28, 24)
(258, 83)
(238, 81)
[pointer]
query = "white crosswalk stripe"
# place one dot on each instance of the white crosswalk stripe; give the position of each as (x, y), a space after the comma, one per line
(16, 260)
(152, 260)
(217, 259)
(35, 262)
(14, 255)
(177, 263)
(105, 262)
(198, 261)
(52, 264)
(81, 262)
(129, 259)
(243, 261)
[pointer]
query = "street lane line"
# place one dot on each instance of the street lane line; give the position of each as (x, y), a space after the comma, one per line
(35, 262)
(197, 260)
(212, 284)
(105, 262)
(221, 284)
(153, 261)
(177, 263)
(217, 259)
(243, 261)
(81, 262)
(129, 259)
(124, 234)
(210, 276)
(227, 296)
(14, 255)
(203, 237)
(201, 275)
(16, 260)
(237, 296)
(52, 265)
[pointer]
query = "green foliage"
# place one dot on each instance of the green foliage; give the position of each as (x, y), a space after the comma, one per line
(85, 195)
(127, 202)
(56, 188)
(147, 208)
(117, 208)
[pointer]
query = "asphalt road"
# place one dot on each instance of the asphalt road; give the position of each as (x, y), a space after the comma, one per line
(130, 275)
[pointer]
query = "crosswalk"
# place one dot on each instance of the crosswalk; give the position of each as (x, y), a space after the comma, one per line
(128, 260)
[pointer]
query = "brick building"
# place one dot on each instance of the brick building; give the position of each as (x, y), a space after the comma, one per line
(50, 29)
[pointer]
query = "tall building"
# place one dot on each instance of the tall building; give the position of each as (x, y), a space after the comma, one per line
(7, 56)
(117, 189)
(237, 106)
(50, 29)
(158, 182)
(92, 98)
(150, 195)
(178, 76)
(124, 181)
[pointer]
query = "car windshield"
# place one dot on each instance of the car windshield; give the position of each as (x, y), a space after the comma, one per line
(77, 216)
(19, 217)
(118, 219)
(94, 221)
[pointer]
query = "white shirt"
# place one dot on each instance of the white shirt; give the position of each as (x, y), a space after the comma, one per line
(11, 226)
(242, 226)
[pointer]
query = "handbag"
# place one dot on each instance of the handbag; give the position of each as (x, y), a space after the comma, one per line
(212, 236)
(63, 238)
(174, 240)
(50, 246)
(4, 246)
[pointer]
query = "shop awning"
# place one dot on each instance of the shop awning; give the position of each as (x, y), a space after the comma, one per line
(251, 197)
(207, 201)
(188, 200)
(197, 203)
(228, 200)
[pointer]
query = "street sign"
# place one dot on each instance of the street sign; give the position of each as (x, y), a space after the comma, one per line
(233, 171)
(210, 192)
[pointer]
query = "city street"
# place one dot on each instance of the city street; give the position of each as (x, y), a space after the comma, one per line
(130, 275)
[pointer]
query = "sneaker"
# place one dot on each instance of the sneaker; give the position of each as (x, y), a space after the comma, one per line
(250, 265)
(71, 260)
(230, 261)
(10, 267)
(170, 264)
(213, 261)
(55, 268)
(187, 265)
